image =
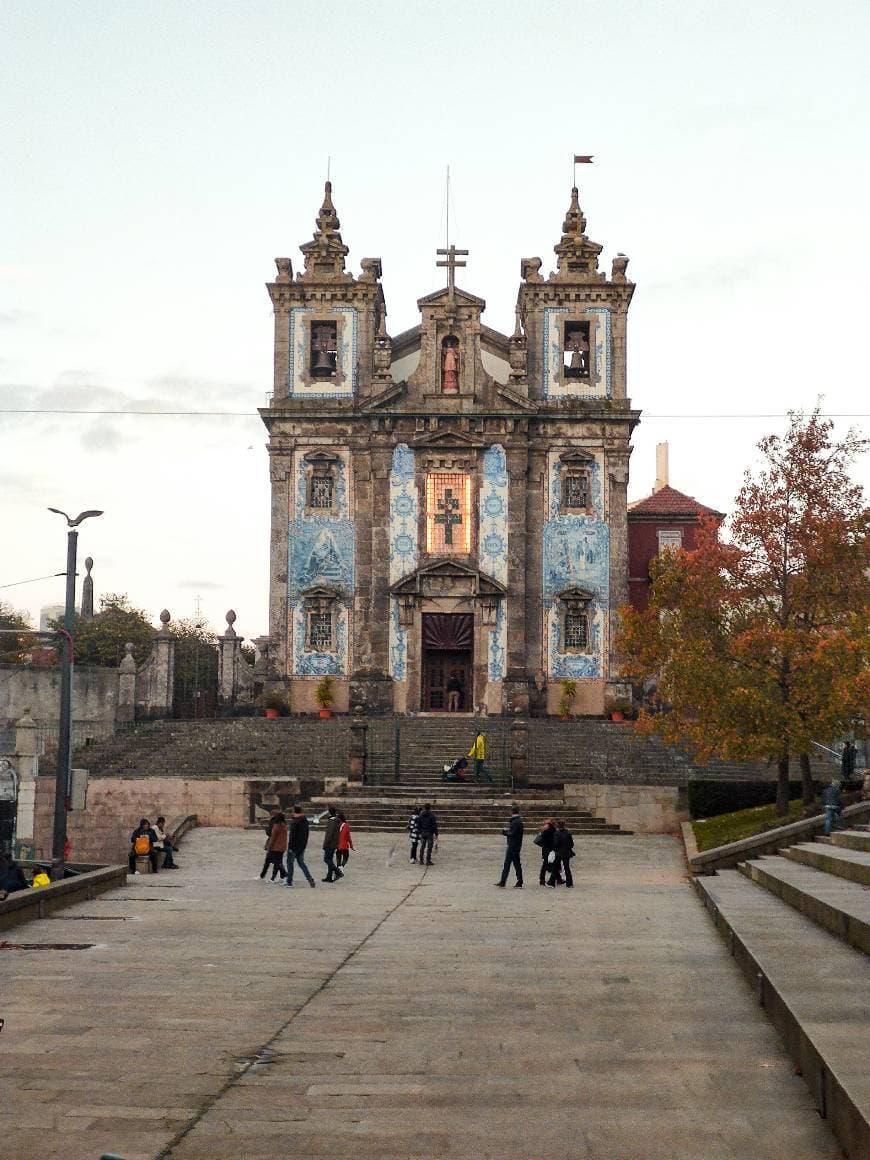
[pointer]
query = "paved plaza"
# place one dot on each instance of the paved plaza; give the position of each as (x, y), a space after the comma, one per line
(396, 1014)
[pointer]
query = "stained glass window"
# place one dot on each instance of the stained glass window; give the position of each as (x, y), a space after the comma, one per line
(448, 511)
(576, 630)
(320, 631)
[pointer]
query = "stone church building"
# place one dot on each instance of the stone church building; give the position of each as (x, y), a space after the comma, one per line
(449, 504)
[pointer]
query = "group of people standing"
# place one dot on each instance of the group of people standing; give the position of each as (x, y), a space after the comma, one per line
(422, 834)
(556, 844)
(291, 840)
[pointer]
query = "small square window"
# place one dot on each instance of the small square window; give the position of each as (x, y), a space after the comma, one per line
(576, 630)
(669, 539)
(321, 493)
(575, 490)
(320, 632)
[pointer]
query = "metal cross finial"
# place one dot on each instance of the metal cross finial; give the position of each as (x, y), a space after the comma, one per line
(451, 261)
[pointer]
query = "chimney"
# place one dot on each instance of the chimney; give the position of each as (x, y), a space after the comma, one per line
(661, 466)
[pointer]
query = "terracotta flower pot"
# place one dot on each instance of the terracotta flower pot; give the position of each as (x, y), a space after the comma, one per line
(271, 713)
(325, 713)
(617, 716)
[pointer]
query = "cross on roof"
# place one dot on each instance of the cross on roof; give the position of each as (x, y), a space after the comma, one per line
(451, 262)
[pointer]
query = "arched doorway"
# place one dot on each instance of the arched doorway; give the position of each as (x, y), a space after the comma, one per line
(448, 650)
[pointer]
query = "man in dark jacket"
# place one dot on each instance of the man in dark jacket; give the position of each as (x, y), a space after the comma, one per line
(330, 845)
(513, 832)
(545, 840)
(297, 840)
(427, 826)
(563, 847)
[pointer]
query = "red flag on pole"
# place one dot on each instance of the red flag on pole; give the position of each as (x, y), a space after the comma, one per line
(584, 160)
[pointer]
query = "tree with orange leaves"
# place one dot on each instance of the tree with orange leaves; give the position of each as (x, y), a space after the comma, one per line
(760, 644)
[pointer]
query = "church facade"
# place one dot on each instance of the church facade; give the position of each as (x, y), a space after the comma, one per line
(448, 528)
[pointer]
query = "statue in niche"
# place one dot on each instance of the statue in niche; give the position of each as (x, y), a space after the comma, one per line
(450, 366)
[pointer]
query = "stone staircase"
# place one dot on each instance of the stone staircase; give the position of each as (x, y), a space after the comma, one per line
(798, 924)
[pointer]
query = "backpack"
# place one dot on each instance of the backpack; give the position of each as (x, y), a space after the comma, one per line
(142, 845)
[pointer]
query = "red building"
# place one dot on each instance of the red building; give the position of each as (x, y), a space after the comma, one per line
(666, 519)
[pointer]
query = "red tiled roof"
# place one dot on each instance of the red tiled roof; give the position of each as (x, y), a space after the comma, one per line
(667, 501)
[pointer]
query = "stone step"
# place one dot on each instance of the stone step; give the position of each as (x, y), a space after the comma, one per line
(814, 989)
(853, 865)
(851, 839)
(841, 907)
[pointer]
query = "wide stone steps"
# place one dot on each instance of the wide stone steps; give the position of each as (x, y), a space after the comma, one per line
(851, 840)
(853, 865)
(392, 817)
(841, 907)
(814, 989)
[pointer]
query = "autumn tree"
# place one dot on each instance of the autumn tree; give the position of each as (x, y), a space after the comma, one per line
(100, 639)
(15, 641)
(760, 644)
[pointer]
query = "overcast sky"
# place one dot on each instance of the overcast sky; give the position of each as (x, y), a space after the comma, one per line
(156, 157)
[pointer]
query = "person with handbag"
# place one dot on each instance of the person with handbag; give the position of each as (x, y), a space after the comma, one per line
(563, 848)
(545, 840)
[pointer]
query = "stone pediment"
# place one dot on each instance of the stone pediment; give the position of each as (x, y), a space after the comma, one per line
(446, 577)
(444, 297)
(575, 596)
(320, 592)
(448, 437)
(577, 457)
(390, 395)
(514, 398)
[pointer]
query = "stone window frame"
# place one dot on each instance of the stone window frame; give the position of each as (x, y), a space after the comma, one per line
(309, 321)
(575, 602)
(592, 321)
(321, 464)
(576, 463)
(319, 602)
(447, 462)
(669, 539)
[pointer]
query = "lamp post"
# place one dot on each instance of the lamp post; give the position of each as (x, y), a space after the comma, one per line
(64, 733)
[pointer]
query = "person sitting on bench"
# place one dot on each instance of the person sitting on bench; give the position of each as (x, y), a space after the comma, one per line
(163, 843)
(143, 845)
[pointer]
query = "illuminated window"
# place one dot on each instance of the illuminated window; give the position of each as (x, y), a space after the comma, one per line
(448, 508)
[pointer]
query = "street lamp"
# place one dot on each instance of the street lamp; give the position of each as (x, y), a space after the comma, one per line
(64, 733)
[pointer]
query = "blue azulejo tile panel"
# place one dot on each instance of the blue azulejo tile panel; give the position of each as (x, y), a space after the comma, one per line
(404, 513)
(398, 644)
(599, 386)
(498, 644)
(493, 537)
(319, 664)
(345, 388)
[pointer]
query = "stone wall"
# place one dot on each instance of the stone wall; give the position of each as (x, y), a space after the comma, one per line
(101, 832)
(95, 694)
(643, 809)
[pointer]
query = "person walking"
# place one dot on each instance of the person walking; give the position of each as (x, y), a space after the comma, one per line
(427, 825)
(345, 842)
(832, 800)
(478, 752)
(414, 832)
(563, 847)
(297, 840)
(545, 840)
(513, 833)
(276, 844)
(330, 846)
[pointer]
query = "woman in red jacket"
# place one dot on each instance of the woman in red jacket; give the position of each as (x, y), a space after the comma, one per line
(345, 842)
(276, 844)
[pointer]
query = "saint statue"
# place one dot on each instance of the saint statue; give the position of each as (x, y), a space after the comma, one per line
(449, 369)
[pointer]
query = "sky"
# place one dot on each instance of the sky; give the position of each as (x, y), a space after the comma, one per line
(156, 157)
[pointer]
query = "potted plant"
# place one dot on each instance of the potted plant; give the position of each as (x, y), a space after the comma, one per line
(620, 709)
(566, 701)
(325, 694)
(273, 705)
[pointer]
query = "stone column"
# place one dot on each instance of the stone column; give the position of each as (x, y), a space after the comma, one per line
(617, 478)
(516, 682)
(536, 515)
(163, 688)
(358, 748)
(519, 752)
(280, 473)
(371, 684)
(229, 652)
(27, 768)
(126, 711)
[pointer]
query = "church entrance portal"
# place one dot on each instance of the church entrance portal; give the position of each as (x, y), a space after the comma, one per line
(448, 641)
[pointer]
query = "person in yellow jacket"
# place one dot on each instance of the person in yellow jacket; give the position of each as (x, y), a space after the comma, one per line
(478, 752)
